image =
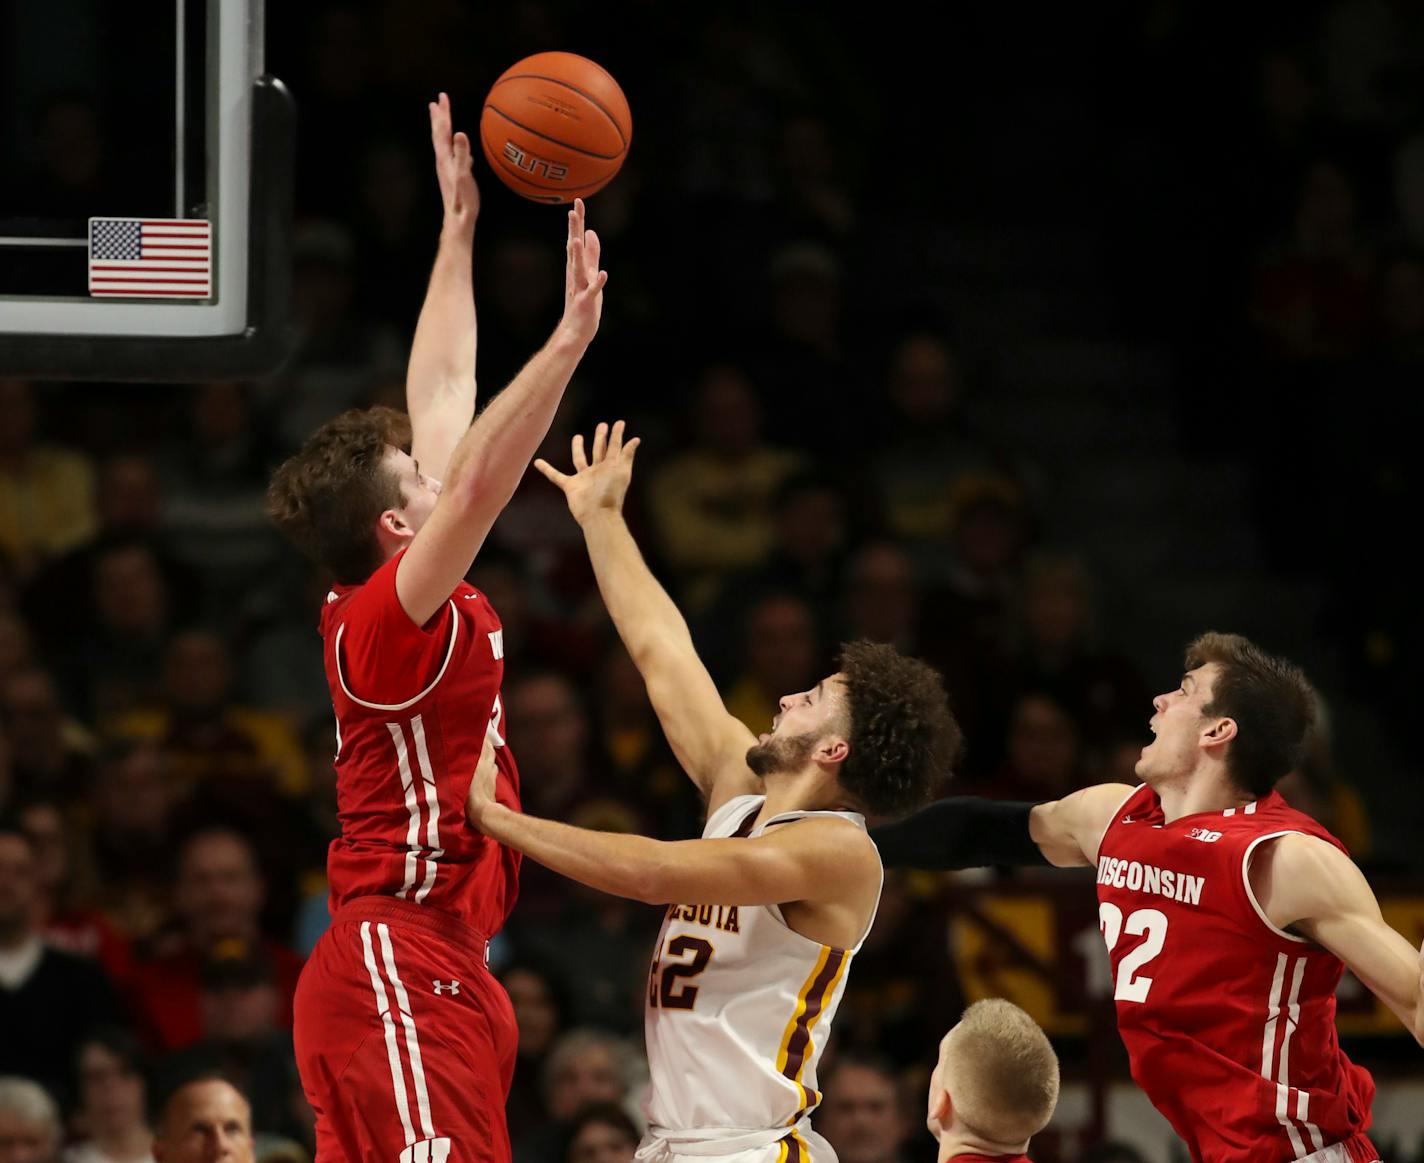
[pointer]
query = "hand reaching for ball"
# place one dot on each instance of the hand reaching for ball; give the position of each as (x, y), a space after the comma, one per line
(583, 280)
(452, 166)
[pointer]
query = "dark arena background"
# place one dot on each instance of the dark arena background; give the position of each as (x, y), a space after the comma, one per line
(1033, 339)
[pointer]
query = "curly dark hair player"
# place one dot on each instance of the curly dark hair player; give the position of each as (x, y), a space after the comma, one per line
(1229, 916)
(405, 1043)
(768, 908)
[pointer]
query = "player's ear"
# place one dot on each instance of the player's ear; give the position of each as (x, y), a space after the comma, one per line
(392, 523)
(832, 749)
(1218, 732)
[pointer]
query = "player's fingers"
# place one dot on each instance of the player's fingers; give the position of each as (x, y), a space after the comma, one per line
(462, 149)
(592, 250)
(580, 460)
(550, 473)
(579, 215)
(615, 439)
(600, 443)
(630, 449)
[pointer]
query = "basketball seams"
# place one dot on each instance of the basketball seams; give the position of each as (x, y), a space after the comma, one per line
(602, 157)
(589, 97)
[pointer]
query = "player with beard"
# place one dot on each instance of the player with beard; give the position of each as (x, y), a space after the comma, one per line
(768, 908)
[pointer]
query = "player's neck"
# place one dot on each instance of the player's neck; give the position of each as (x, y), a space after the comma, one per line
(811, 789)
(960, 1141)
(1202, 791)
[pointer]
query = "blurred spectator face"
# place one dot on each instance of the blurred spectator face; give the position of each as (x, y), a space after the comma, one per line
(623, 697)
(15, 646)
(323, 286)
(600, 1141)
(781, 644)
(129, 499)
(807, 302)
(17, 416)
(219, 890)
(235, 1014)
(17, 887)
(924, 381)
(548, 711)
(987, 537)
(111, 1092)
(1043, 743)
(524, 282)
(197, 673)
(811, 524)
(728, 416)
(205, 1122)
(861, 1116)
(583, 1077)
(882, 597)
(1401, 305)
(44, 825)
(25, 1140)
(534, 1011)
(501, 584)
(135, 793)
(1056, 607)
(33, 715)
(220, 414)
(129, 593)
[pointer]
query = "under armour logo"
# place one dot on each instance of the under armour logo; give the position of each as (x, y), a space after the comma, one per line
(1127, 819)
(446, 986)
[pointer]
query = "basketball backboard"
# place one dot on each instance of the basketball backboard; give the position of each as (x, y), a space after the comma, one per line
(146, 200)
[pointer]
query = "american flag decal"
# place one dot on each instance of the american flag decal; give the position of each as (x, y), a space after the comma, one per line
(150, 257)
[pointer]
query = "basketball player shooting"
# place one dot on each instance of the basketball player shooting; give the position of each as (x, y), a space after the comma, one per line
(405, 1042)
(1229, 916)
(770, 906)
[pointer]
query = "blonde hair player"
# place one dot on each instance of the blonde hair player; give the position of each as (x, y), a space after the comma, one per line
(994, 1087)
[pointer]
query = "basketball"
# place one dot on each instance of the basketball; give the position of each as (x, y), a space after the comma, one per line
(555, 127)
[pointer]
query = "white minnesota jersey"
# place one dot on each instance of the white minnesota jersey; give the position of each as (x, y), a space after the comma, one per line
(739, 1008)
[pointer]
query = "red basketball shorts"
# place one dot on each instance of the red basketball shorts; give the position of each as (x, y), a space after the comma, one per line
(404, 1041)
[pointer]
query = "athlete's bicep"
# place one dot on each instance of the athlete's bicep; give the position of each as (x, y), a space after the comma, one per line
(1311, 886)
(1069, 831)
(439, 556)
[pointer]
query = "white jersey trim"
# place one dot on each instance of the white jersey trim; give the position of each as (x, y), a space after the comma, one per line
(1246, 883)
(449, 653)
(1098, 854)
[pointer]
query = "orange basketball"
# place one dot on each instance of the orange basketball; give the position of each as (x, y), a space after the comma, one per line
(556, 127)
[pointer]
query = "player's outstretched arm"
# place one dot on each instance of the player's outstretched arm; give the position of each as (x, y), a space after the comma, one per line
(708, 741)
(1309, 886)
(814, 860)
(971, 832)
(492, 456)
(440, 378)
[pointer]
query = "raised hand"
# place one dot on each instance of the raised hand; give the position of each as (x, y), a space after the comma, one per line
(597, 484)
(452, 166)
(583, 281)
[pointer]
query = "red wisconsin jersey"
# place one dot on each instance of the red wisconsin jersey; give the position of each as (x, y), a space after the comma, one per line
(1229, 1022)
(412, 707)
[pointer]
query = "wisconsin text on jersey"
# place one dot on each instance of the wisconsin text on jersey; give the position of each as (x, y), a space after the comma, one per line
(1139, 877)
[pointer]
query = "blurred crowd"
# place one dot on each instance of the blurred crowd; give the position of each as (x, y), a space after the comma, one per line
(813, 471)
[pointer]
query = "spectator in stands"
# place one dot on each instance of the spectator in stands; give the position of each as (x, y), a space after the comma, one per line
(205, 1119)
(782, 651)
(30, 1129)
(133, 836)
(128, 508)
(49, 1000)
(711, 504)
(214, 475)
(555, 761)
(882, 597)
(1043, 754)
(50, 754)
(861, 1116)
(114, 663)
(584, 1068)
(65, 911)
(112, 1114)
(46, 492)
(218, 899)
(239, 1001)
(602, 1134)
(537, 993)
(209, 737)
